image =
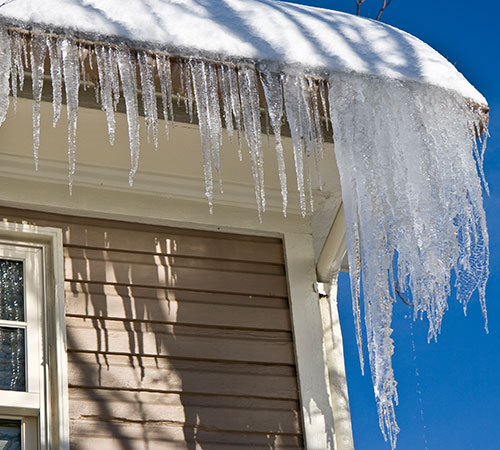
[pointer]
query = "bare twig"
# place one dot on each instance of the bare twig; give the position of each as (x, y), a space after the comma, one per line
(385, 4)
(400, 295)
(6, 2)
(358, 6)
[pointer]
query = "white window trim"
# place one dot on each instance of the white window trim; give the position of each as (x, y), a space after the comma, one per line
(51, 400)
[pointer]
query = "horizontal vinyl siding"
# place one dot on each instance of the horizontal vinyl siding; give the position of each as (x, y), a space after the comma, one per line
(177, 339)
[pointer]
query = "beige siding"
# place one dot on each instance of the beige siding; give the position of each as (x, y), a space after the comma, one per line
(178, 339)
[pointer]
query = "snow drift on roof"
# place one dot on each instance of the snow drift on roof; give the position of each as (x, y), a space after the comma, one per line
(260, 30)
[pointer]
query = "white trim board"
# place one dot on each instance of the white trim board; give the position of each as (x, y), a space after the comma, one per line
(189, 188)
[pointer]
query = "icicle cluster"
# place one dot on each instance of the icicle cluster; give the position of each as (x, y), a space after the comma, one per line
(405, 151)
(221, 95)
(413, 206)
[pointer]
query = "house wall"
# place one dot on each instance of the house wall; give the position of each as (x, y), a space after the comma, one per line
(166, 193)
(175, 337)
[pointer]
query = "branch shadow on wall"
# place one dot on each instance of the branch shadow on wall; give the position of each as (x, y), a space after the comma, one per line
(159, 357)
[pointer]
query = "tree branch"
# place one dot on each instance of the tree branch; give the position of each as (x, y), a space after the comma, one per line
(358, 6)
(385, 4)
(400, 294)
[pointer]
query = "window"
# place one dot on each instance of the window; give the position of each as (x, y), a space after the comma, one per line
(33, 385)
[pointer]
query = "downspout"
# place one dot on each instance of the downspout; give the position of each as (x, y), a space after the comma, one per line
(328, 268)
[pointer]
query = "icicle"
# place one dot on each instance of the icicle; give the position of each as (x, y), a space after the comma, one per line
(198, 72)
(226, 100)
(114, 77)
(54, 46)
(292, 97)
(268, 129)
(182, 91)
(24, 46)
(165, 77)
(106, 88)
(318, 133)
(148, 95)
(323, 96)
(82, 55)
(128, 71)
(308, 135)
(5, 63)
(232, 82)
(37, 56)
(215, 119)
(91, 63)
(72, 84)
(251, 121)
(273, 92)
(17, 68)
(188, 94)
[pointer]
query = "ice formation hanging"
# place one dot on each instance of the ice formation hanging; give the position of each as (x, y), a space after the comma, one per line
(413, 205)
(406, 153)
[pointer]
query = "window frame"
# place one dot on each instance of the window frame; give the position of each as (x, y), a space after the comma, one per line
(43, 407)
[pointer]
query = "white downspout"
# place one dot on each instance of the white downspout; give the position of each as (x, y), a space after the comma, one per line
(328, 267)
(334, 249)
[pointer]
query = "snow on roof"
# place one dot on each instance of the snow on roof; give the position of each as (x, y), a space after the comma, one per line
(261, 30)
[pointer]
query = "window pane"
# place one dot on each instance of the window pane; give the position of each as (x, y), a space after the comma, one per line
(12, 359)
(11, 290)
(10, 434)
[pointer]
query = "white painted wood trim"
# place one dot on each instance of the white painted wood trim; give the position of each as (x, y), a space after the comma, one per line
(336, 368)
(189, 188)
(20, 403)
(30, 433)
(55, 393)
(309, 344)
(140, 207)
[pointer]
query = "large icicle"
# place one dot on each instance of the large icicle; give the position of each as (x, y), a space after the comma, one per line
(232, 82)
(251, 120)
(37, 59)
(54, 45)
(292, 94)
(200, 85)
(17, 67)
(71, 72)
(215, 119)
(165, 76)
(128, 69)
(148, 95)
(188, 92)
(226, 100)
(5, 62)
(317, 132)
(273, 92)
(114, 77)
(105, 72)
(413, 206)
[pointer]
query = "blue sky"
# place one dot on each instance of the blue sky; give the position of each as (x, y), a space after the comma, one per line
(459, 376)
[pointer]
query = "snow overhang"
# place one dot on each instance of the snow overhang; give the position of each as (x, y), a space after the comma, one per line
(275, 35)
